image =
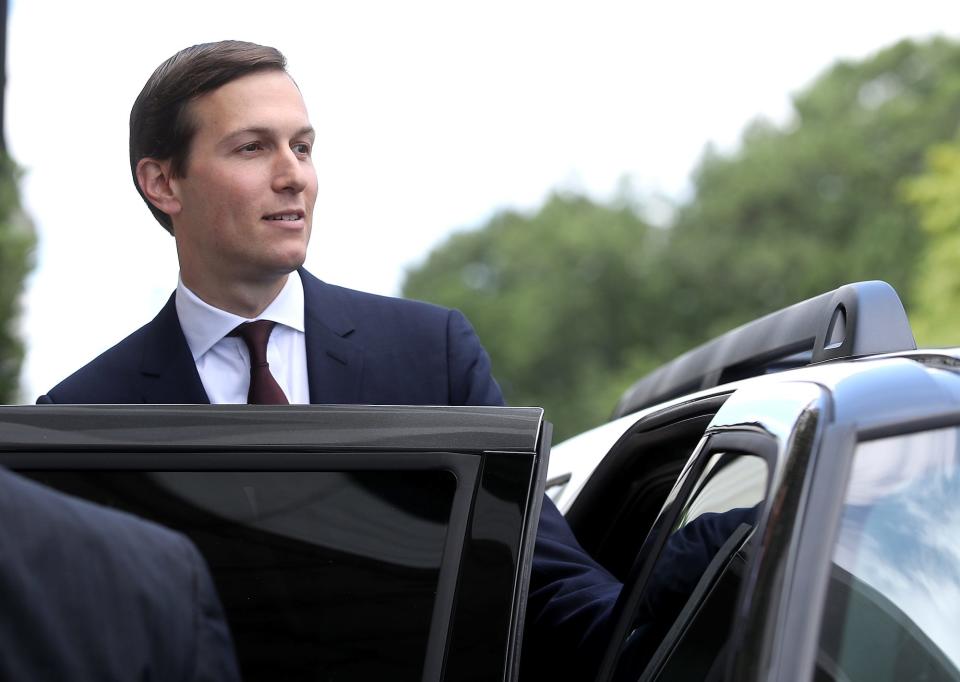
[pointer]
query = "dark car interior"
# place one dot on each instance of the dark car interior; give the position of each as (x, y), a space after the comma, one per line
(617, 507)
(683, 580)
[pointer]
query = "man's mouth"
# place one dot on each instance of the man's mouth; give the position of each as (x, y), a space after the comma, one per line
(284, 216)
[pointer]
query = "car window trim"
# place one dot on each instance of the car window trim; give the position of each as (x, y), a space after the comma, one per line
(528, 542)
(695, 601)
(646, 432)
(746, 441)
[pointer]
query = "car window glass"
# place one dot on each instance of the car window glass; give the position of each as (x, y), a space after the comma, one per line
(893, 601)
(322, 574)
(684, 612)
(728, 482)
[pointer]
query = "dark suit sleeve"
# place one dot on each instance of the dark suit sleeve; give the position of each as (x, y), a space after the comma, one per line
(471, 380)
(569, 605)
(214, 660)
(44, 400)
(683, 561)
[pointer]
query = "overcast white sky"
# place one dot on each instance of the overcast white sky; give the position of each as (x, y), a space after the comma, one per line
(430, 115)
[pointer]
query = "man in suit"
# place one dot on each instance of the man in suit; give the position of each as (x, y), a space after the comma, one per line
(89, 593)
(220, 151)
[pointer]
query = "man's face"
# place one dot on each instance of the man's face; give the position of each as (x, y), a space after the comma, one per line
(246, 199)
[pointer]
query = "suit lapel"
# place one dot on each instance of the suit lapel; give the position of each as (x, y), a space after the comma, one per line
(168, 374)
(334, 364)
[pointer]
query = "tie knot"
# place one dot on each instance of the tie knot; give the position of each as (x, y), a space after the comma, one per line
(255, 335)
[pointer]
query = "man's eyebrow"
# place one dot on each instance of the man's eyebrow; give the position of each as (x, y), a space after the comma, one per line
(264, 131)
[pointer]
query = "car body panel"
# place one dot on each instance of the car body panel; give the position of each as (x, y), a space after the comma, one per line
(817, 415)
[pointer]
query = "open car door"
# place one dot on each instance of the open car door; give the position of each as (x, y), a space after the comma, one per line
(346, 542)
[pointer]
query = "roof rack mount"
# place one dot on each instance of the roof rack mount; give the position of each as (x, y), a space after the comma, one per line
(864, 318)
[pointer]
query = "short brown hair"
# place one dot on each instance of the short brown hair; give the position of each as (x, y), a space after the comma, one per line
(160, 123)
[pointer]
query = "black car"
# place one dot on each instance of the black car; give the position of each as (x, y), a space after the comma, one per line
(800, 480)
(780, 504)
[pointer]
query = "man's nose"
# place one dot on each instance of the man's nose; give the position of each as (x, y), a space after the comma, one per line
(290, 172)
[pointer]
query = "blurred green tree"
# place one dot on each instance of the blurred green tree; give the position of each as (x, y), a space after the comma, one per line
(17, 242)
(805, 207)
(935, 315)
(579, 299)
(567, 302)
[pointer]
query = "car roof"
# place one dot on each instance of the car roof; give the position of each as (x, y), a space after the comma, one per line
(860, 319)
(866, 391)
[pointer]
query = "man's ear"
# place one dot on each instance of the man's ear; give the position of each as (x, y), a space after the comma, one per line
(154, 179)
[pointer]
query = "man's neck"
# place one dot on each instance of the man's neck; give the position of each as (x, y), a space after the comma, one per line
(246, 299)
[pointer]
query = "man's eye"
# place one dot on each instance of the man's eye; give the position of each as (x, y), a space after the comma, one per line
(252, 147)
(301, 148)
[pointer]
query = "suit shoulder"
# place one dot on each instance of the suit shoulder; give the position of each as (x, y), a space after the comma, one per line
(362, 301)
(375, 320)
(341, 307)
(51, 516)
(133, 576)
(113, 376)
(107, 378)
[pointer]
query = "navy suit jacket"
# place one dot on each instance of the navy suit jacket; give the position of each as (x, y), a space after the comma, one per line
(368, 349)
(361, 349)
(89, 593)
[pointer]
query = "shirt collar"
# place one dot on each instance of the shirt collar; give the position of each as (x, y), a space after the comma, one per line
(204, 325)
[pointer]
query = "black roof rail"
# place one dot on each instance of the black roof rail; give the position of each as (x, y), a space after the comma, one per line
(865, 318)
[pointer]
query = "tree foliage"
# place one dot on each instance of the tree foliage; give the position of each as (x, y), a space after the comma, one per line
(935, 317)
(17, 241)
(807, 207)
(562, 300)
(577, 300)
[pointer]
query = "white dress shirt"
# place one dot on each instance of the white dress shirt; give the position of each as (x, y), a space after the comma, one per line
(224, 362)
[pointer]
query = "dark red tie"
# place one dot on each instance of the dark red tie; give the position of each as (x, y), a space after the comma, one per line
(264, 389)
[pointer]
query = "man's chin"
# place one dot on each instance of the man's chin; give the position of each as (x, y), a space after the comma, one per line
(297, 263)
(285, 266)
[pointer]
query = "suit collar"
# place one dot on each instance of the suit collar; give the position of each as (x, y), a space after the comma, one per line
(334, 363)
(168, 374)
(203, 325)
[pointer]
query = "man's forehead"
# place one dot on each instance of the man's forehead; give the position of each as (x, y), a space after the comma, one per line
(263, 101)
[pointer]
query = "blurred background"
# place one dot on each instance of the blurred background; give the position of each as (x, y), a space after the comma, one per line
(598, 185)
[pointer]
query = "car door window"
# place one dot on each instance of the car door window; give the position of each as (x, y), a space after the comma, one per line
(893, 601)
(682, 618)
(305, 562)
